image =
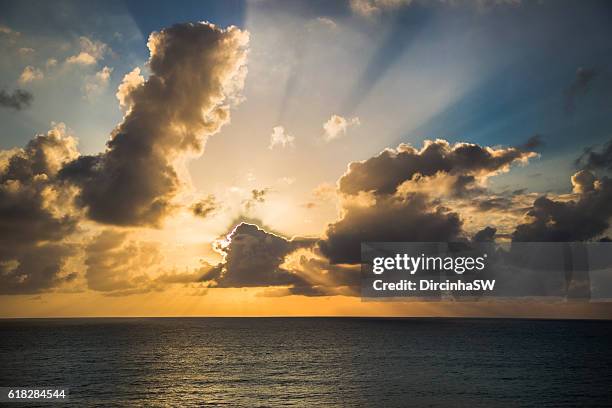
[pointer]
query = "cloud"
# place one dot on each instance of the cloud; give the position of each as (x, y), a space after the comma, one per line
(390, 218)
(17, 100)
(97, 83)
(205, 207)
(324, 22)
(337, 126)
(25, 51)
(91, 51)
(10, 35)
(486, 234)
(369, 8)
(579, 87)
(130, 83)
(592, 159)
(115, 263)
(252, 257)
(533, 143)
(197, 71)
(468, 164)
(257, 196)
(583, 217)
(280, 138)
(120, 266)
(401, 194)
(30, 74)
(35, 214)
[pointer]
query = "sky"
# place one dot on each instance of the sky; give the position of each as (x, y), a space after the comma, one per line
(222, 158)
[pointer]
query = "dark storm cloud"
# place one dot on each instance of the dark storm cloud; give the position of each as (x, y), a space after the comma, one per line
(205, 207)
(593, 159)
(384, 173)
(196, 72)
(582, 219)
(17, 100)
(579, 87)
(35, 214)
(411, 218)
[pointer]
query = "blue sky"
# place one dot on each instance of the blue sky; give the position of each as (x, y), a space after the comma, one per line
(521, 58)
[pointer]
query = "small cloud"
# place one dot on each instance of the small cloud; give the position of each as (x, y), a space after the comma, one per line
(17, 100)
(9, 34)
(280, 138)
(323, 22)
(30, 74)
(286, 180)
(91, 51)
(579, 87)
(97, 83)
(51, 62)
(205, 207)
(25, 51)
(257, 196)
(337, 126)
(368, 8)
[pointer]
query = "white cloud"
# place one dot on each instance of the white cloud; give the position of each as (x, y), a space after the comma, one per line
(337, 126)
(280, 138)
(30, 74)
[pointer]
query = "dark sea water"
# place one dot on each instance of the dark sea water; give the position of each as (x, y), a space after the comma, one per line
(312, 361)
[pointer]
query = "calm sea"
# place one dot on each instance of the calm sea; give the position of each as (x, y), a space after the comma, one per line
(312, 361)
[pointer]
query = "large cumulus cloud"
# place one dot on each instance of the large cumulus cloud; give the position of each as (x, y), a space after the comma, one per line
(197, 71)
(35, 214)
(585, 215)
(468, 162)
(254, 257)
(400, 194)
(395, 218)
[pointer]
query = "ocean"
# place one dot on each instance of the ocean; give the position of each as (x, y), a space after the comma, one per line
(367, 362)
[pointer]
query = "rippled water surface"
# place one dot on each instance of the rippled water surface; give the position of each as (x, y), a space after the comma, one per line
(311, 361)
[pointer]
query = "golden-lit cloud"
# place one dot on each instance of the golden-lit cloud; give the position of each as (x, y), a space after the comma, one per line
(337, 126)
(91, 51)
(30, 74)
(36, 214)
(118, 265)
(196, 71)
